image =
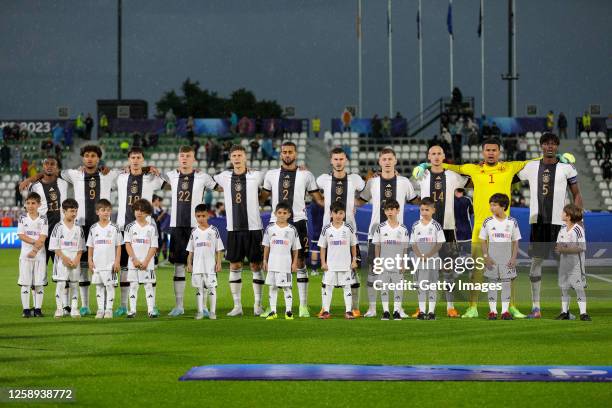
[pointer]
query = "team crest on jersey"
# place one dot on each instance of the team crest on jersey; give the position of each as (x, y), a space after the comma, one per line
(546, 176)
(238, 186)
(134, 188)
(339, 188)
(286, 182)
(92, 183)
(388, 191)
(52, 195)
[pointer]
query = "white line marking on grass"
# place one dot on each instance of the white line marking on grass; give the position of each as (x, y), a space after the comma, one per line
(599, 277)
(599, 253)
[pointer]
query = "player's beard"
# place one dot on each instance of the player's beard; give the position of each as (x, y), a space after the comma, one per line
(288, 163)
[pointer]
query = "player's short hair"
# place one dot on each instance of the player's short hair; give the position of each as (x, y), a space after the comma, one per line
(491, 140)
(391, 204)
(91, 149)
(33, 197)
(549, 137)
(501, 199)
(387, 150)
(156, 197)
(236, 148)
(283, 205)
(135, 150)
(143, 205)
(460, 190)
(289, 143)
(574, 212)
(69, 203)
(51, 158)
(201, 208)
(337, 150)
(428, 201)
(103, 203)
(186, 149)
(337, 206)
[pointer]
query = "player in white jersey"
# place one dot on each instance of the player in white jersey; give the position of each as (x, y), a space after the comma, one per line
(188, 186)
(32, 231)
(391, 239)
(338, 245)
(339, 186)
(571, 246)
(68, 243)
(549, 181)
(499, 237)
(204, 261)
(290, 184)
(385, 186)
(427, 237)
(281, 243)
(440, 185)
(139, 183)
(140, 240)
(103, 255)
(244, 227)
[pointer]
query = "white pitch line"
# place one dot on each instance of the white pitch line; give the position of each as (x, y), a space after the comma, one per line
(599, 253)
(599, 277)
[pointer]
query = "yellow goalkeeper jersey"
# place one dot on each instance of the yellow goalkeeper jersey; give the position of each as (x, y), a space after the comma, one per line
(487, 181)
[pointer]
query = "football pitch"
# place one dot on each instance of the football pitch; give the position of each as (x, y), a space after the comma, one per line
(138, 362)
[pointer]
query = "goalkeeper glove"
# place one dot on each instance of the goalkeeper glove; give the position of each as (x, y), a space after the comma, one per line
(419, 170)
(566, 158)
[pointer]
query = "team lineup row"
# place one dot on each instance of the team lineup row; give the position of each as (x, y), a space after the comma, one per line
(241, 187)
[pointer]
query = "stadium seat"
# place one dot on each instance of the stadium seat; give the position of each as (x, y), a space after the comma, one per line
(594, 163)
(584, 135)
(608, 201)
(586, 141)
(597, 170)
(163, 156)
(591, 155)
(538, 135)
(155, 156)
(6, 178)
(474, 148)
(529, 135)
(15, 178)
(605, 193)
(337, 136)
(592, 135)
(588, 148)
(601, 135)
(598, 178)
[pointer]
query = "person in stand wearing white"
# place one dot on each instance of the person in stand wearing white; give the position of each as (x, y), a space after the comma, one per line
(103, 254)
(244, 227)
(387, 185)
(549, 181)
(204, 261)
(140, 240)
(187, 187)
(341, 187)
(391, 239)
(281, 243)
(290, 184)
(440, 185)
(338, 245)
(32, 231)
(571, 245)
(427, 237)
(499, 241)
(138, 183)
(68, 243)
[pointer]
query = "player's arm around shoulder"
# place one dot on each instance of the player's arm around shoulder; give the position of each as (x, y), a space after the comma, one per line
(467, 169)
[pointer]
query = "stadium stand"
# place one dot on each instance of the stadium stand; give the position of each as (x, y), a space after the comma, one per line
(588, 140)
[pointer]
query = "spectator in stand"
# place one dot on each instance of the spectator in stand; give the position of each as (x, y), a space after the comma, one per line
(190, 128)
(446, 137)
(5, 156)
(58, 134)
(608, 149)
(214, 153)
(521, 154)
(162, 222)
(244, 126)
(18, 196)
(47, 146)
(267, 149)
(562, 126)
(347, 118)
(606, 169)
(398, 118)
(550, 121)
(599, 149)
(376, 126)
(586, 122)
(457, 147)
(170, 123)
(227, 145)
(315, 125)
(136, 139)
(255, 147)
(220, 209)
(457, 96)
(609, 126)
(103, 125)
(233, 122)
(329, 141)
(7, 220)
(16, 158)
(258, 125)
(24, 167)
(68, 132)
(79, 125)
(89, 124)
(32, 170)
(472, 129)
(486, 129)
(495, 131)
(124, 146)
(510, 146)
(386, 127)
(153, 139)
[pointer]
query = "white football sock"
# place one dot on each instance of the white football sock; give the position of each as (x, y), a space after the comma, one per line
(492, 300)
(204, 298)
(384, 299)
(258, 283)
(84, 295)
(212, 295)
(99, 296)
(565, 300)
(371, 296)
(581, 299)
(60, 287)
(150, 294)
(235, 282)
(506, 294)
(449, 295)
(348, 298)
(327, 298)
(25, 297)
(422, 296)
(200, 299)
(133, 296)
(432, 296)
(74, 296)
(535, 275)
(288, 299)
(179, 285)
(397, 300)
(302, 284)
(39, 293)
(322, 295)
(125, 293)
(110, 297)
(272, 295)
(66, 294)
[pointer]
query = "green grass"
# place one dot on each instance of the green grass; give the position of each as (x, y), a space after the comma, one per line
(139, 361)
